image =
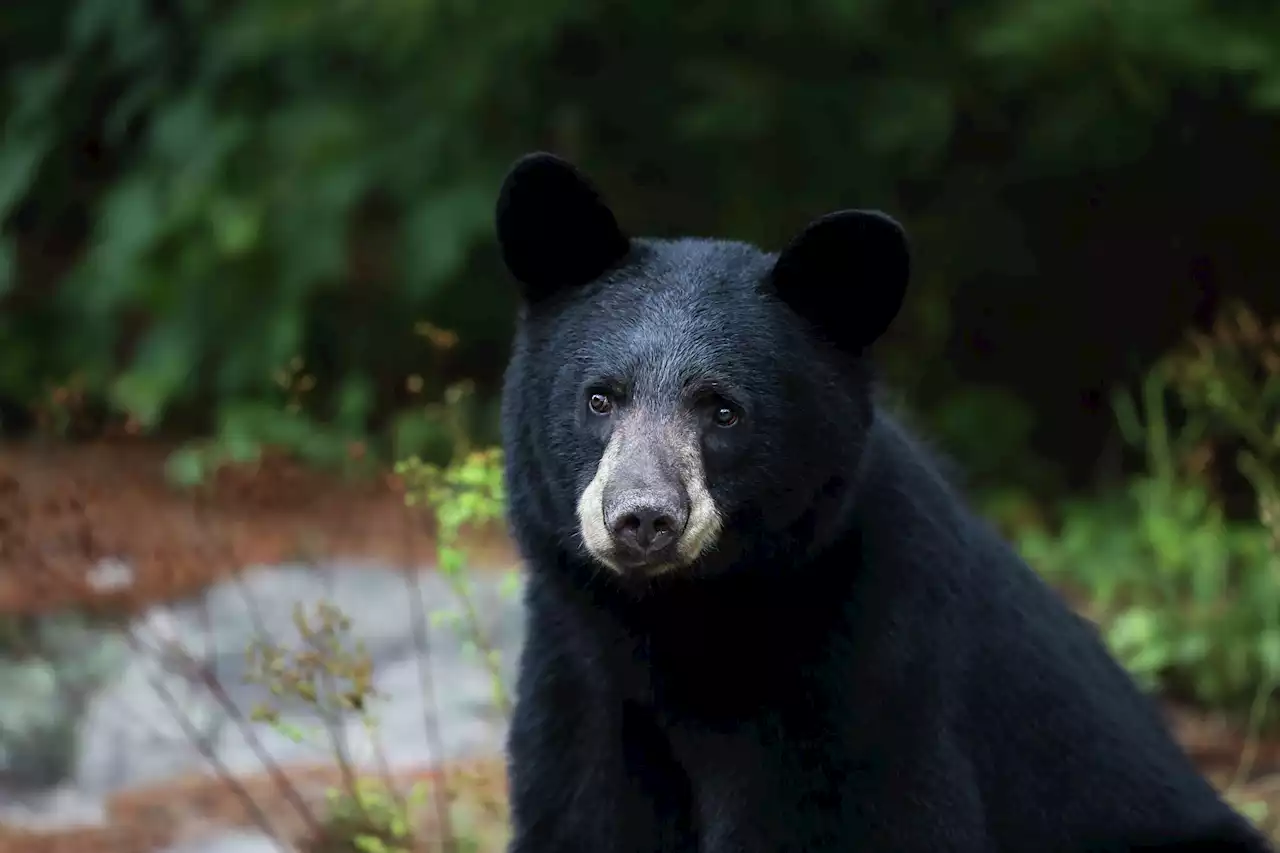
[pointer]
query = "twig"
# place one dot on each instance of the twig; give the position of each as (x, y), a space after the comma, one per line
(1266, 689)
(483, 644)
(341, 748)
(221, 770)
(278, 777)
(384, 768)
(435, 742)
(210, 679)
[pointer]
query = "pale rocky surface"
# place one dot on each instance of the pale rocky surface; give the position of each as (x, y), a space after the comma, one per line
(232, 842)
(125, 733)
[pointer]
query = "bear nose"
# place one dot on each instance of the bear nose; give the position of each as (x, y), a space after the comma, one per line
(646, 530)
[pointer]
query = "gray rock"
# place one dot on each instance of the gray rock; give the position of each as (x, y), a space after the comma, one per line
(216, 631)
(63, 807)
(231, 842)
(43, 694)
(157, 718)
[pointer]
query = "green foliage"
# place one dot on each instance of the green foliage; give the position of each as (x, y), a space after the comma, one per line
(439, 429)
(322, 672)
(250, 198)
(990, 429)
(464, 497)
(1232, 377)
(333, 674)
(370, 820)
(362, 816)
(467, 495)
(242, 209)
(1188, 596)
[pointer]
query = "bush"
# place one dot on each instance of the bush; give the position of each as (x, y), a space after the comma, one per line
(368, 820)
(193, 195)
(1187, 595)
(466, 495)
(331, 672)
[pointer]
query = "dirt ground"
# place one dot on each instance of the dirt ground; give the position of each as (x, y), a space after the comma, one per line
(197, 808)
(64, 508)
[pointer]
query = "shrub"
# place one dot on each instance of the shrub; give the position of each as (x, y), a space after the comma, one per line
(1187, 595)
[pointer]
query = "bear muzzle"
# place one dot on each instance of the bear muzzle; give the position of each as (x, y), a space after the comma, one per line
(646, 524)
(648, 510)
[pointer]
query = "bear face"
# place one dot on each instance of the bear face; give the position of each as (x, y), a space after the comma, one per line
(687, 392)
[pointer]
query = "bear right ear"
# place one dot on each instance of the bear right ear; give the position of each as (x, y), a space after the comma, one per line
(846, 273)
(554, 229)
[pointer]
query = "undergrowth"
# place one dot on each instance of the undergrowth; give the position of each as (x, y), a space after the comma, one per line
(377, 810)
(1182, 582)
(1185, 586)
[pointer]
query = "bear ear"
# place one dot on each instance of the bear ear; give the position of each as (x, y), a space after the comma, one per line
(554, 229)
(846, 273)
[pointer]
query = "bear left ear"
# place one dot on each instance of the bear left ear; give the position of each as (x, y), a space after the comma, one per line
(846, 273)
(554, 229)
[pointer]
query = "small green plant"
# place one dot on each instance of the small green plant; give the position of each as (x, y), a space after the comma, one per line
(1187, 596)
(287, 421)
(464, 496)
(57, 411)
(323, 672)
(363, 816)
(1231, 376)
(247, 430)
(369, 820)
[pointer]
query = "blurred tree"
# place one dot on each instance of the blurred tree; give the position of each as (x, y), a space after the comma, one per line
(195, 192)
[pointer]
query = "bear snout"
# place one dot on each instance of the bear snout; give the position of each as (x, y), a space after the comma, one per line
(646, 524)
(648, 508)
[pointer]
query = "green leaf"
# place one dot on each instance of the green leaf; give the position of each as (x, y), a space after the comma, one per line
(130, 221)
(1255, 810)
(161, 367)
(186, 467)
(355, 403)
(510, 585)
(440, 231)
(452, 561)
(1267, 93)
(237, 226)
(1269, 652)
(8, 264)
(20, 160)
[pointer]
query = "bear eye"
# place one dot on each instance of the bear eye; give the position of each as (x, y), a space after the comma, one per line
(725, 417)
(600, 404)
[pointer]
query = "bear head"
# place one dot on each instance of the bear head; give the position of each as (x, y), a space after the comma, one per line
(678, 408)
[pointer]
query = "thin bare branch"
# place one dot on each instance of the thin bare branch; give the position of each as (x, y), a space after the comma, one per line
(422, 641)
(201, 743)
(278, 778)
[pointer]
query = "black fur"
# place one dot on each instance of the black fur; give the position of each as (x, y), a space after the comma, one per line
(863, 664)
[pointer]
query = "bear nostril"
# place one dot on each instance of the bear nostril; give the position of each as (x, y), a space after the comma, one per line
(646, 529)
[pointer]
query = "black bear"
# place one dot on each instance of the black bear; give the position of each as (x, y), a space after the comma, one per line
(759, 620)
